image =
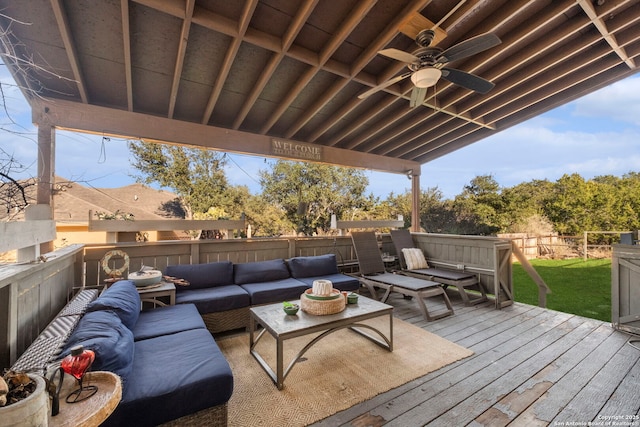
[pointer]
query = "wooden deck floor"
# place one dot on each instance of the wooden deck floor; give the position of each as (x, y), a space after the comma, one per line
(531, 367)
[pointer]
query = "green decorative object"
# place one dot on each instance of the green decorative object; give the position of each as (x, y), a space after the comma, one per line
(289, 308)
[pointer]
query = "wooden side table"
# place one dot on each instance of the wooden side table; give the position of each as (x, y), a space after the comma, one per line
(92, 411)
(152, 293)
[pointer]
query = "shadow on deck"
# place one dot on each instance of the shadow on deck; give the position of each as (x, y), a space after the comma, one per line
(531, 367)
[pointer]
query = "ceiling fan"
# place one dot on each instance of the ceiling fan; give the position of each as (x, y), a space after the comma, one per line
(427, 64)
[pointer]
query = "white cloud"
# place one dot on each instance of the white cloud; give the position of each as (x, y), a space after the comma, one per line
(545, 147)
(619, 102)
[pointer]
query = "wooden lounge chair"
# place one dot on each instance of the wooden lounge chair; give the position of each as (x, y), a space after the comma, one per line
(462, 280)
(373, 275)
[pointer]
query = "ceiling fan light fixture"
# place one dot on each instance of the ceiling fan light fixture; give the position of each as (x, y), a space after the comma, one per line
(426, 77)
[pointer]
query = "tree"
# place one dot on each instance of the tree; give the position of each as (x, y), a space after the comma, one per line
(13, 193)
(569, 207)
(436, 214)
(478, 208)
(196, 176)
(523, 207)
(309, 193)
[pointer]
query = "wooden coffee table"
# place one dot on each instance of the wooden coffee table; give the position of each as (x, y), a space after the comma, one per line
(274, 321)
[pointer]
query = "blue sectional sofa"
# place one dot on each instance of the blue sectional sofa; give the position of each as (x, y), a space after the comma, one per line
(223, 291)
(170, 365)
(172, 370)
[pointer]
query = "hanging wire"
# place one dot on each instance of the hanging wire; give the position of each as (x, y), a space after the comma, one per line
(239, 167)
(102, 158)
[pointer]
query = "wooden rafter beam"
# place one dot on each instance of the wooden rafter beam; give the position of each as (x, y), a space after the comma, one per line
(113, 122)
(182, 51)
(250, 7)
(287, 41)
(69, 47)
(325, 53)
(126, 39)
(361, 61)
(599, 23)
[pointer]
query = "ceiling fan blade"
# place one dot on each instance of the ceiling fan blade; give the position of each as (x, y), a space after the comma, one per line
(418, 94)
(469, 47)
(384, 85)
(400, 55)
(467, 80)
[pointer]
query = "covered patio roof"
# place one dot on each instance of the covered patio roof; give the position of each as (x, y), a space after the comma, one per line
(282, 78)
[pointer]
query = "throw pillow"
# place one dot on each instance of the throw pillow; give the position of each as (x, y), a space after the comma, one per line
(414, 258)
(313, 266)
(123, 299)
(260, 271)
(105, 334)
(201, 276)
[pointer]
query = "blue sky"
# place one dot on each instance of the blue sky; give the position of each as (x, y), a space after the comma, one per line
(598, 134)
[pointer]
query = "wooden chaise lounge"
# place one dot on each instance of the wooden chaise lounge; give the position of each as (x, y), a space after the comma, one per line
(372, 274)
(462, 280)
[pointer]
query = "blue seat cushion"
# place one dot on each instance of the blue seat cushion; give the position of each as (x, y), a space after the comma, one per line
(167, 320)
(261, 271)
(340, 281)
(122, 298)
(189, 374)
(313, 266)
(275, 291)
(111, 341)
(214, 300)
(202, 275)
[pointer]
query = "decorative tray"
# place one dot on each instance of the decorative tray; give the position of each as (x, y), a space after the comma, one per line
(175, 280)
(334, 295)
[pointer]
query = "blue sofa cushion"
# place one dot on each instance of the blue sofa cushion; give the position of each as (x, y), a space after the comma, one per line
(275, 291)
(202, 275)
(261, 271)
(123, 299)
(340, 281)
(214, 300)
(167, 320)
(313, 266)
(112, 342)
(189, 374)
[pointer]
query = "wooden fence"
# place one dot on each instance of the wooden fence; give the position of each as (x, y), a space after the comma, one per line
(555, 246)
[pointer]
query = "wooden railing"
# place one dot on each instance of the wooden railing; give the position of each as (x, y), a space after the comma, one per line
(161, 254)
(27, 236)
(489, 257)
(31, 294)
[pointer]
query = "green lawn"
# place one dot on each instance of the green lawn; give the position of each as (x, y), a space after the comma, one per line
(577, 286)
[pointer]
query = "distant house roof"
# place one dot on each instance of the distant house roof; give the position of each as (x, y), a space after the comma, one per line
(73, 201)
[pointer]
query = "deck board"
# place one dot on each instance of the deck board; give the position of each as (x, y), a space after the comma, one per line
(531, 366)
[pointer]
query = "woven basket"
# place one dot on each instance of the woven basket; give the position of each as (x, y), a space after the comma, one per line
(321, 307)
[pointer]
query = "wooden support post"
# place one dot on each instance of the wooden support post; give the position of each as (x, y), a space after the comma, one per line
(415, 203)
(46, 165)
